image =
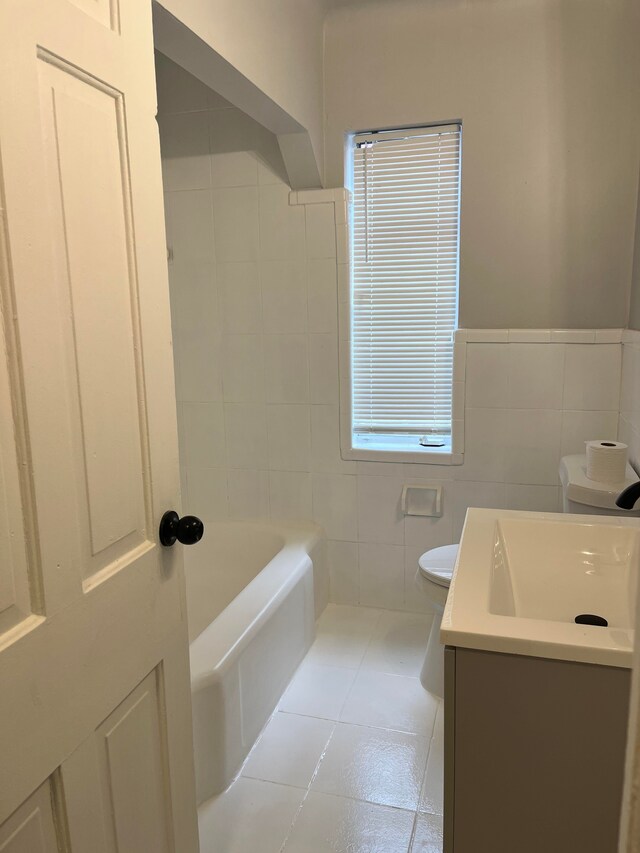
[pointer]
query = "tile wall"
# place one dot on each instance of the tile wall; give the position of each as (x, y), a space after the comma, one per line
(255, 276)
(629, 423)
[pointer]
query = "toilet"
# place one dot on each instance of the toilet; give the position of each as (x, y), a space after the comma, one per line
(435, 567)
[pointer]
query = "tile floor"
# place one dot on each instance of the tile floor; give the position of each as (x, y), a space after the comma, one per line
(352, 759)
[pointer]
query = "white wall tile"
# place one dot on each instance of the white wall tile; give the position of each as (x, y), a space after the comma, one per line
(194, 299)
(207, 488)
(271, 173)
(289, 435)
(465, 495)
(533, 446)
(483, 336)
(290, 495)
(484, 445)
(325, 441)
(344, 585)
(578, 427)
(487, 375)
(201, 367)
(282, 226)
(234, 169)
(631, 437)
(203, 431)
(246, 435)
(342, 243)
(322, 296)
(573, 336)
(235, 223)
(530, 336)
(323, 369)
(592, 377)
(432, 532)
(191, 215)
(630, 385)
(380, 469)
(321, 231)
(423, 471)
(240, 298)
(335, 505)
(381, 569)
(248, 493)
(380, 518)
(286, 368)
(535, 376)
(608, 336)
(534, 498)
(284, 296)
(243, 368)
(185, 151)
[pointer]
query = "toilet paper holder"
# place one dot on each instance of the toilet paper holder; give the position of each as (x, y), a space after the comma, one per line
(424, 499)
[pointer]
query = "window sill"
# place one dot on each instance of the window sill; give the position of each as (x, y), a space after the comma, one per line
(399, 448)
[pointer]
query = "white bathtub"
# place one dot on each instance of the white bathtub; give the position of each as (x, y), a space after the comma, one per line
(251, 606)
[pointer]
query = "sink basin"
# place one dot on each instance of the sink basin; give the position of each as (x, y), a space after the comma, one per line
(521, 579)
(556, 570)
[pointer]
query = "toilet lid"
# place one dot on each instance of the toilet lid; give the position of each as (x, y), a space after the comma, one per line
(437, 564)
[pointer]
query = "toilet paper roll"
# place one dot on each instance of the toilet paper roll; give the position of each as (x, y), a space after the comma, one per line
(606, 461)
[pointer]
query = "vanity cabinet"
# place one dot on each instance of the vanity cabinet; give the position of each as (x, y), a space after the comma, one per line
(534, 753)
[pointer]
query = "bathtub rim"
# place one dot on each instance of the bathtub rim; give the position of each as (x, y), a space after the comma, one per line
(233, 628)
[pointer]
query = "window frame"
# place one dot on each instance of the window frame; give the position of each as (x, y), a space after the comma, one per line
(404, 450)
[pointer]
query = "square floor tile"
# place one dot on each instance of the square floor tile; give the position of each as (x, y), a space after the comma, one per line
(289, 750)
(427, 837)
(250, 815)
(432, 796)
(318, 691)
(343, 635)
(398, 644)
(328, 824)
(376, 765)
(390, 702)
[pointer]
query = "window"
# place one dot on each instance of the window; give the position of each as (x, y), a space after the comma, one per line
(404, 291)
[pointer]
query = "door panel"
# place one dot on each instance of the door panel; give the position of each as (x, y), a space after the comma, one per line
(15, 598)
(84, 142)
(105, 12)
(31, 828)
(132, 812)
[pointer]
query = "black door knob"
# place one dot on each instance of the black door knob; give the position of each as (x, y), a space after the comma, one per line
(187, 529)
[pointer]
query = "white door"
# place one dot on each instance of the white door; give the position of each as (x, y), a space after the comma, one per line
(95, 725)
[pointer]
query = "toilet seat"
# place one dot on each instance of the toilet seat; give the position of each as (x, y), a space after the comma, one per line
(437, 564)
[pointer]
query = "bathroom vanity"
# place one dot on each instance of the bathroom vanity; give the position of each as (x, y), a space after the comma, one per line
(536, 705)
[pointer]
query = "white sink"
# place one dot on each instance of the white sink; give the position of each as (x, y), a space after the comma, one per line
(521, 579)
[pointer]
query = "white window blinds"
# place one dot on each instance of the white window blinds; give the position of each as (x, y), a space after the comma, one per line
(405, 279)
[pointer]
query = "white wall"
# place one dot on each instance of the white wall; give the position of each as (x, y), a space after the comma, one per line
(275, 44)
(548, 94)
(255, 311)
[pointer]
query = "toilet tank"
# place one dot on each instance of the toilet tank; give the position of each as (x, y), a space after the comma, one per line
(590, 497)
